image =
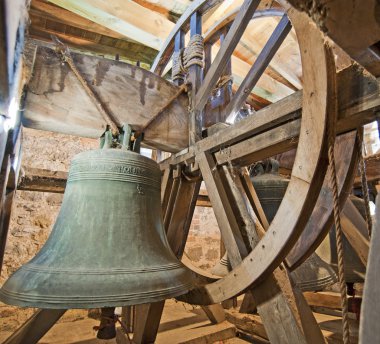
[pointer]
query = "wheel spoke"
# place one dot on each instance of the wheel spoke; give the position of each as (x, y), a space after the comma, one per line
(261, 63)
(229, 44)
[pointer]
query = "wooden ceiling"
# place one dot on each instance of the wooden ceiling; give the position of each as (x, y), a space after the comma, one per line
(135, 31)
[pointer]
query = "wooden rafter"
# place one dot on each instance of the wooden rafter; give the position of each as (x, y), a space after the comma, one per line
(125, 17)
(42, 28)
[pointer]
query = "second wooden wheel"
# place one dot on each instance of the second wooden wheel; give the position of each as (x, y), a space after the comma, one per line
(319, 109)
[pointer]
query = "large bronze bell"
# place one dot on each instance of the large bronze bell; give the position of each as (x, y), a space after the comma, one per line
(108, 246)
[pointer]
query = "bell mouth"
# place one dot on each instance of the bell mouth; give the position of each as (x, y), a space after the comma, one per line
(94, 289)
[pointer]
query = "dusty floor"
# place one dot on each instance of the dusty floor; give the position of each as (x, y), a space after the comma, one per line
(181, 323)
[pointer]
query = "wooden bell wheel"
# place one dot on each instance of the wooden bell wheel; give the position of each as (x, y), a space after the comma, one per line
(302, 220)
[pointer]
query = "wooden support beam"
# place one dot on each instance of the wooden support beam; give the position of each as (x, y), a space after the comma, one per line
(369, 325)
(358, 101)
(83, 39)
(355, 29)
(195, 77)
(293, 322)
(13, 18)
(260, 65)
(43, 180)
(123, 17)
(229, 45)
(355, 230)
(35, 327)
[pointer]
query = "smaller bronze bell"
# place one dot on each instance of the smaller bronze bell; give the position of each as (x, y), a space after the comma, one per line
(312, 275)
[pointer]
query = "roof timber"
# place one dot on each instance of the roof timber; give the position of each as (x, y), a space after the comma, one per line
(172, 10)
(45, 9)
(42, 28)
(125, 17)
(127, 11)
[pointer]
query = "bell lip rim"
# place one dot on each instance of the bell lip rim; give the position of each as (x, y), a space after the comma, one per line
(103, 301)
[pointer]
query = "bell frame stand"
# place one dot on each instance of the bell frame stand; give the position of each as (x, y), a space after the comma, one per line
(256, 251)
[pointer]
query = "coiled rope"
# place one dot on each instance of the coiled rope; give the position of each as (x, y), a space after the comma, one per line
(192, 55)
(339, 235)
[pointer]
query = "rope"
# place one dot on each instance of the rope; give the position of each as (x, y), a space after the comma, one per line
(190, 56)
(339, 242)
(193, 54)
(178, 70)
(66, 56)
(363, 175)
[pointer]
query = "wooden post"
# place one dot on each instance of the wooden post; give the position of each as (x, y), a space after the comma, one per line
(292, 322)
(35, 327)
(195, 78)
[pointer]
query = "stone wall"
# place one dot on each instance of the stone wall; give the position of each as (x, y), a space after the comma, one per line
(34, 213)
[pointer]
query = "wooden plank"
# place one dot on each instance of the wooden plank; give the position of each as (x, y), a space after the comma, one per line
(35, 179)
(13, 17)
(61, 15)
(228, 225)
(124, 17)
(131, 94)
(229, 44)
(35, 327)
(285, 325)
(355, 230)
(200, 6)
(147, 321)
(280, 69)
(195, 77)
(261, 146)
(355, 29)
(369, 325)
(321, 219)
(358, 101)
(81, 39)
(260, 65)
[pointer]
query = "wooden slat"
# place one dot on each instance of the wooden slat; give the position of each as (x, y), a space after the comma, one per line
(260, 65)
(131, 94)
(195, 77)
(13, 18)
(35, 327)
(369, 325)
(358, 33)
(358, 101)
(321, 219)
(355, 230)
(229, 44)
(124, 17)
(224, 213)
(200, 6)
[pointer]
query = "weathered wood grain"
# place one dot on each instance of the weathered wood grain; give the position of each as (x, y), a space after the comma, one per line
(131, 94)
(358, 33)
(321, 219)
(307, 175)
